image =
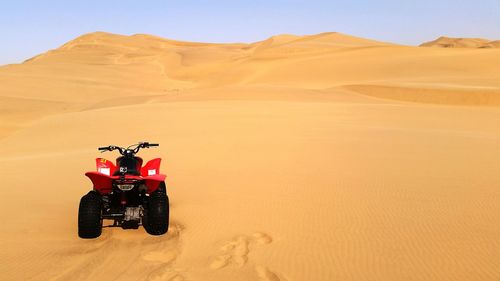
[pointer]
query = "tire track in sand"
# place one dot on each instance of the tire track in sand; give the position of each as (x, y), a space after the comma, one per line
(133, 255)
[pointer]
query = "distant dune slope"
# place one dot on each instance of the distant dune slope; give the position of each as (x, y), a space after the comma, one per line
(112, 66)
(445, 95)
(449, 42)
(100, 68)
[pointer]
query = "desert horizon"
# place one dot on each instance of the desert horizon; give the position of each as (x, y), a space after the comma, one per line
(442, 41)
(313, 157)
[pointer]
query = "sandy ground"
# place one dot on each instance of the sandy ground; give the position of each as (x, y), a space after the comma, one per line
(323, 157)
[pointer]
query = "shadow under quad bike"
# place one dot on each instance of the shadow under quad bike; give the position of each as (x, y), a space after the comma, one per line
(127, 193)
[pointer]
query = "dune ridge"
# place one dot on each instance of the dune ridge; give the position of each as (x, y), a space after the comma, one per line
(450, 42)
(315, 157)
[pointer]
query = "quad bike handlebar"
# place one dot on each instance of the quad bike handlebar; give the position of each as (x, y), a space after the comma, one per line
(132, 149)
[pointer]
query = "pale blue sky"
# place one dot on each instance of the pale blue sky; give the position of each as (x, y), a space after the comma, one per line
(28, 27)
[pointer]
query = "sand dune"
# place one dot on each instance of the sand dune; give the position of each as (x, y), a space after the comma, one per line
(448, 42)
(442, 95)
(317, 157)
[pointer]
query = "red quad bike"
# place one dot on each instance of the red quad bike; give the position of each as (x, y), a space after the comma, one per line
(127, 193)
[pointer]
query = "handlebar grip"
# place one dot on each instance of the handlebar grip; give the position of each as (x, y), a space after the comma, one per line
(103, 148)
(154, 144)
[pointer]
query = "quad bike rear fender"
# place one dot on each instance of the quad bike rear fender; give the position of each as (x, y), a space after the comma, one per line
(103, 178)
(104, 183)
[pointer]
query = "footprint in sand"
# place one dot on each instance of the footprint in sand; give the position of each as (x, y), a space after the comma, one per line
(265, 274)
(235, 252)
(168, 276)
(262, 238)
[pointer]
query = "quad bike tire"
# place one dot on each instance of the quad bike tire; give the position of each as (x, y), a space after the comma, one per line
(156, 215)
(89, 216)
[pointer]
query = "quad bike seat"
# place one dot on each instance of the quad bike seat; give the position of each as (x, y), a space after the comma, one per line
(128, 166)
